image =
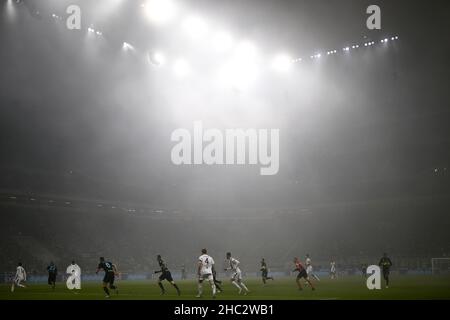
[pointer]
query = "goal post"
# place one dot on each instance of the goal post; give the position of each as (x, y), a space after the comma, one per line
(440, 266)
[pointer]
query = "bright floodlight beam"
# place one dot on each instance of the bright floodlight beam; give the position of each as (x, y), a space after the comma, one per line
(160, 11)
(243, 67)
(10, 10)
(157, 58)
(195, 27)
(222, 41)
(126, 46)
(181, 68)
(282, 62)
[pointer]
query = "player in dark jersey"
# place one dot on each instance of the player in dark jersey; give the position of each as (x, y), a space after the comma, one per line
(301, 274)
(264, 271)
(110, 273)
(385, 265)
(216, 282)
(52, 272)
(165, 275)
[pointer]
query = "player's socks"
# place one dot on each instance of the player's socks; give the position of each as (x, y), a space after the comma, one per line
(178, 289)
(162, 288)
(237, 286)
(200, 290)
(213, 286)
(244, 286)
(115, 288)
(12, 288)
(106, 290)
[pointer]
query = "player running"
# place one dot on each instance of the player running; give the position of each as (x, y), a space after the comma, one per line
(236, 278)
(301, 274)
(385, 264)
(333, 269)
(52, 272)
(205, 271)
(165, 275)
(309, 268)
(110, 273)
(21, 275)
(218, 283)
(264, 271)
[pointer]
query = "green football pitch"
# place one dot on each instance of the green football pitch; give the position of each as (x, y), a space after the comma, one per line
(402, 287)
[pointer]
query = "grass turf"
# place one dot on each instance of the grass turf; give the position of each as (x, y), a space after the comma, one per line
(402, 287)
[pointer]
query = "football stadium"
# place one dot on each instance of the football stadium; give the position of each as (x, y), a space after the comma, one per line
(224, 150)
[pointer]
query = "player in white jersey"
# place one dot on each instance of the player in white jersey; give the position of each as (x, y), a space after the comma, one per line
(21, 275)
(205, 272)
(333, 270)
(309, 268)
(236, 277)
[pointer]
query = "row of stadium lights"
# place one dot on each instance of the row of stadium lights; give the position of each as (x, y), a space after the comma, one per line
(281, 62)
(356, 46)
(68, 203)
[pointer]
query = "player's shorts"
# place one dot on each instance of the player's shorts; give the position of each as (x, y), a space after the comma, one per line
(385, 272)
(18, 279)
(264, 274)
(309, 269)
(166, 275)
(237, 275)
(207, 276)
(51, 278)
(109, 278)
(302, 274)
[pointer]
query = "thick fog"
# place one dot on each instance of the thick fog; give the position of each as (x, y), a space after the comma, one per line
(364, 137)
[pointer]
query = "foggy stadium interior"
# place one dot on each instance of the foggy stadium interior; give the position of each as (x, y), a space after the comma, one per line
(364, 136)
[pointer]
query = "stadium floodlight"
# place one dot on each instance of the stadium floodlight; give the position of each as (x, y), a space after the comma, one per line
(243, 68)
(245, 51)
(91, 30)
(160, 11)
(98, 33)
(126, 46)
(222, 41)
(157, 58)
(282, 62)
(195, 26)
(181, 68)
